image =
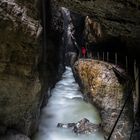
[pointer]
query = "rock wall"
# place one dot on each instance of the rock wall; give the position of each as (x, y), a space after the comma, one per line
(92, 31)
(19, 54)
(117, 18)
(107, 92)
(27, 68)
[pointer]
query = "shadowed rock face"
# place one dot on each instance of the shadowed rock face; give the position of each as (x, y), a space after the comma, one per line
(117, 18)
(24, 78)
(15, 137)
(19, 80)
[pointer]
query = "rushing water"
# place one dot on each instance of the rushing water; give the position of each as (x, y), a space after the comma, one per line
(66, 105)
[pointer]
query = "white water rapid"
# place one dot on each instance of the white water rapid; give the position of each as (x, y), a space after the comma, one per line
(66, 105)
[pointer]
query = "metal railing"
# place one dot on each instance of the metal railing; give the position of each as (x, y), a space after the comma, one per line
(121, 61)
(113, 58)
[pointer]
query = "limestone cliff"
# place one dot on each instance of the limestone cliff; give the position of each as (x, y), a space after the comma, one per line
(19, 52)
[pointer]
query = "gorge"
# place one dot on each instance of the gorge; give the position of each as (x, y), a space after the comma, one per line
(37, 41)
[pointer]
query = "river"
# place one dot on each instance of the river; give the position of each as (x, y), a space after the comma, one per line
(66, 105)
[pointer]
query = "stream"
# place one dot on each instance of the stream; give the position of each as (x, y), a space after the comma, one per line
(66, 105)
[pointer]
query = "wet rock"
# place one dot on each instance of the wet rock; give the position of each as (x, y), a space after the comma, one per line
(83, 126)
(69, 125)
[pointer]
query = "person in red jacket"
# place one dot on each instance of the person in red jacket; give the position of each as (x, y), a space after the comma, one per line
(84, 52)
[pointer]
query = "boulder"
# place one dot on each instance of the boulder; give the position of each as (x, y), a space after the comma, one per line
(84, 126)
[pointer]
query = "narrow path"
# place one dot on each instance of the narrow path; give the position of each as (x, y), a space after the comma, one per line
(66, 105)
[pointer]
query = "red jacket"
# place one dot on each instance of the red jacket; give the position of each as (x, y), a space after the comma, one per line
(83, 50)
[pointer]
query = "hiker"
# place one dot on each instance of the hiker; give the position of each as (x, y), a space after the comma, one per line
(83, 52)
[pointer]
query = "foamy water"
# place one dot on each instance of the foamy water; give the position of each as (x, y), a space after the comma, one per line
(66, 105)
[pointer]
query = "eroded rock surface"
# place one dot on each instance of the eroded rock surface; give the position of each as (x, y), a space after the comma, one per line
(117, 18)
(83, 126)
(105, 90)
(19, 53)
